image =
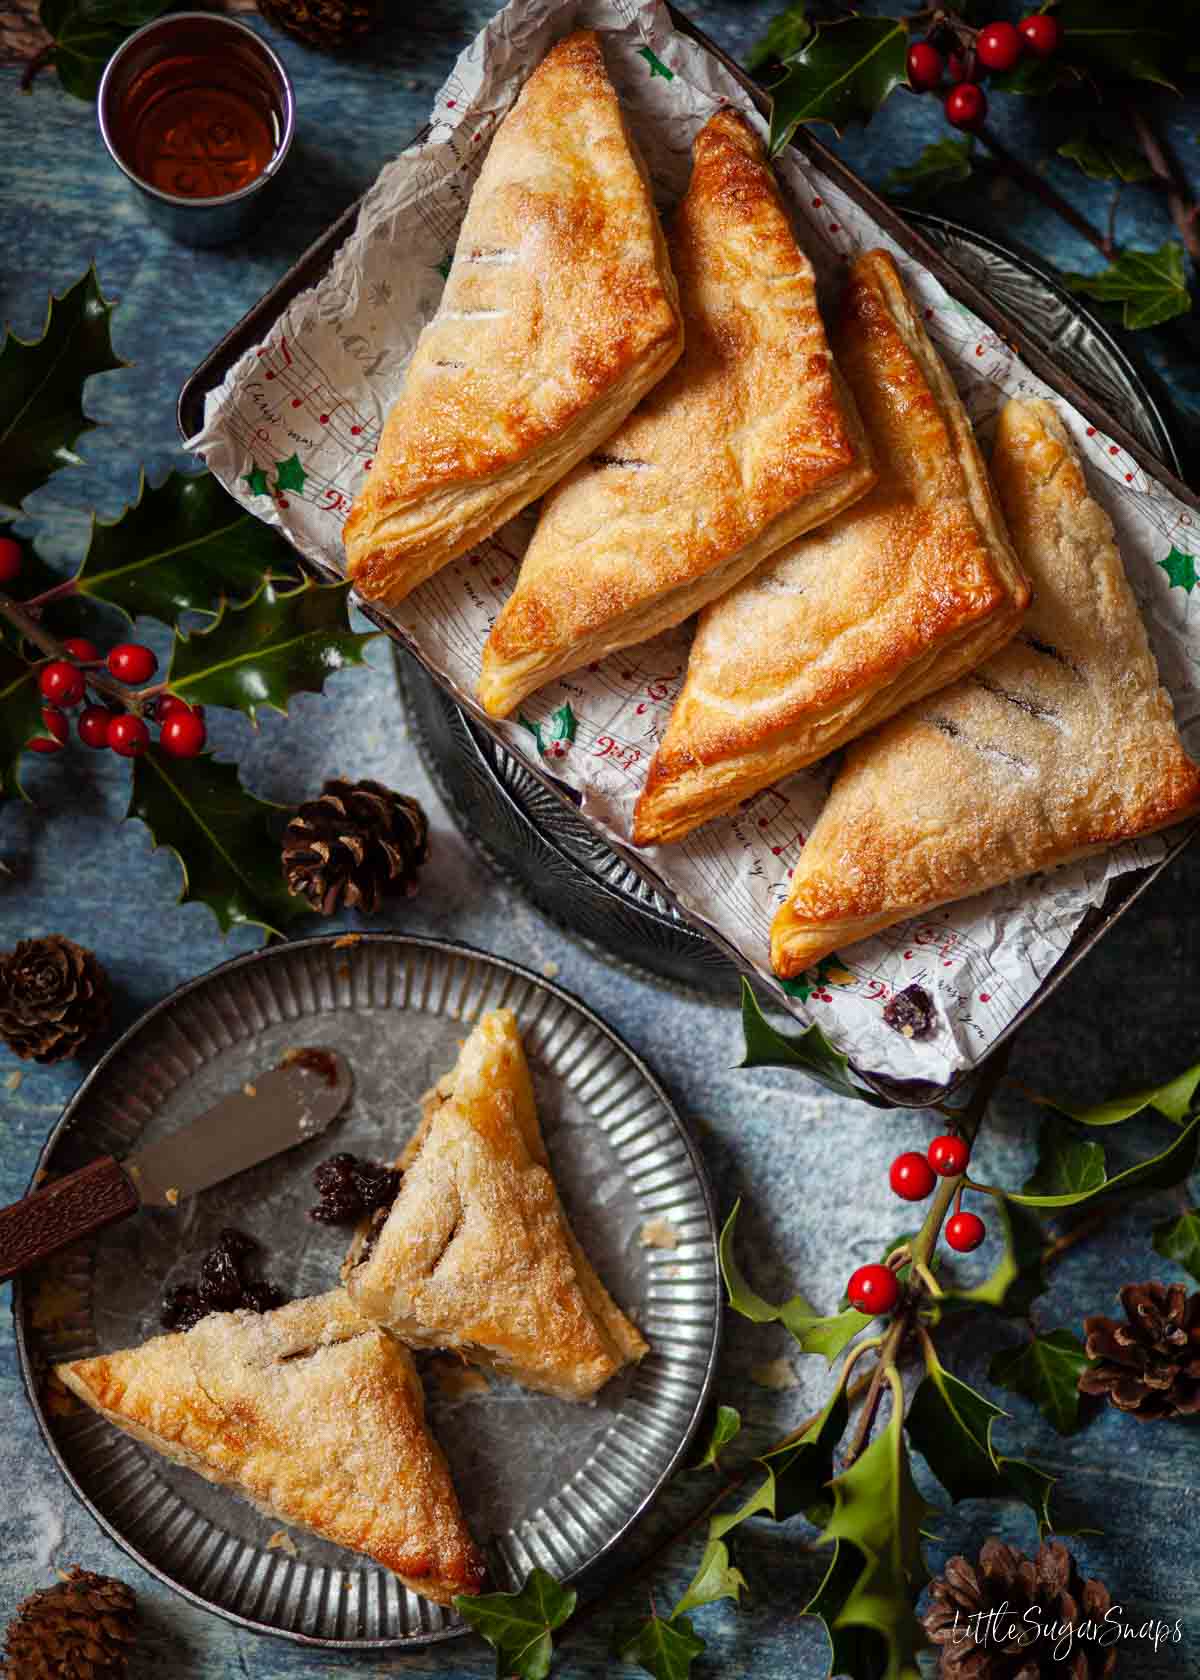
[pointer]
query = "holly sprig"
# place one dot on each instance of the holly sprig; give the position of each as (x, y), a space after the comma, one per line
(246, 631)
(849, 1468)
(1093, 58)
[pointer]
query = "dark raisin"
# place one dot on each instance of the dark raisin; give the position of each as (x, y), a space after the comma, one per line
(350, 1188)
(910, 1012)
(181, 1307)
(237, 1243)
(261, 1296)
(223, 1285)
(220, 1280)
(376, 1185)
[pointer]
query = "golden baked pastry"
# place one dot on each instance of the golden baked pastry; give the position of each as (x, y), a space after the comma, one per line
(313, 1414)
(476, 1253)
(751, 439)
(559, 314)
(905, 591)
(1063, 743)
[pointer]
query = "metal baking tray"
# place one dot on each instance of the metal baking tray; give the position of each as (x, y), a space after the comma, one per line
(314, 262)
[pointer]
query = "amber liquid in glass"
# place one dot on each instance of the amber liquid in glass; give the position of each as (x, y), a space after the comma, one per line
(198, 127)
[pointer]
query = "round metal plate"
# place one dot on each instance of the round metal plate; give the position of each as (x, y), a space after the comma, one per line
(541, 1481)
(546, 849)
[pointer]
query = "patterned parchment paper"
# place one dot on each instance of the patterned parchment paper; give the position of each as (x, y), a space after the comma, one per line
(292, 429)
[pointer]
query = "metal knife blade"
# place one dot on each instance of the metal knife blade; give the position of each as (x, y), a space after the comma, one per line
(275, 1111)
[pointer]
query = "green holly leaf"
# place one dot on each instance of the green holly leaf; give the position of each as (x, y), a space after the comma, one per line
(1067, 1165)
(950, 1424)
(785, 36)
(1150, 286)
(715, 1578)
(801, 1471)
(810, 1051)
(664, 1649)
(877, 1509)
(278, 644)
(256, 482)
(20, 718)
(518, 1625)
(1158, 1172)
(87, 33)
(1179, 1240)
(727, 1424)
(944, 164)
(1033, 77)
(742, 1298)
(1180, 569)
(289, 474)
(1172, 1099)
(842, 73)
(180, 548)
(855, 1651)
(1019, 1276)
(1046, 1370)
(41, 388)
(221, 835)
(1106, 157)
(1111, 42)
(827, 1336)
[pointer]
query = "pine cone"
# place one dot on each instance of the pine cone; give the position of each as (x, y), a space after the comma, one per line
(1001, 1618)
(1150, 1366)
(53, 997)
(324, 23)
(81, 1629)
(355, 845)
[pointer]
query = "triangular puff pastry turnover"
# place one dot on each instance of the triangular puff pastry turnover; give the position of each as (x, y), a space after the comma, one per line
(905, 591)
(559, 314)
(476, 1253)
(1061, 744)
(312, 1413)
(749, 440)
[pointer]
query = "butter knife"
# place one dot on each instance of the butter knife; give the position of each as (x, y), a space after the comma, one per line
(291, 1104)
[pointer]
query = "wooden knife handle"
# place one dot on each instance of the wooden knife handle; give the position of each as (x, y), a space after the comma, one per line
(62, 1212)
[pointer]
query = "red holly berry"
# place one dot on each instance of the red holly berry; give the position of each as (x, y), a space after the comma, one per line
(128, 735)
(962, 67)
(1040, 33)
(948, 1155)
(44, 744)
(911, 1177)
(183, 733)
(56, 723)
(130, 662)
(87, 653)
(998, 46)
(93, 725)
(965, 1231)
(966, 106)
(924, 67)
(10, 560)
(61, 683)
(873, 1290)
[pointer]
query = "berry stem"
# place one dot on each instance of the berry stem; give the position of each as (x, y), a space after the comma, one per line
(883, 1366)
(1033, 182)
(97, 678)
(1184, 209)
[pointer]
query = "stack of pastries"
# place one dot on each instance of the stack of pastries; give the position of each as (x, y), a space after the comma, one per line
(315, 1411)
(699, 446)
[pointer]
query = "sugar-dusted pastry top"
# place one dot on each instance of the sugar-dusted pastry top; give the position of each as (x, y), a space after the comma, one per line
(1064, 742)
(311, 1412)
(559, 313)
(750, 439)
(476, 1253)
(900, 594)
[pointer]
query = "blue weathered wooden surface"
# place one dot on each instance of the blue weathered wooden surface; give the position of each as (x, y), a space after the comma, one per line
(812, 1169)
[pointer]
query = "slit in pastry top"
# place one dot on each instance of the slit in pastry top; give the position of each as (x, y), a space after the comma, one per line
(1063, 743)
(750, 439)
(559, 314)
(900, 594)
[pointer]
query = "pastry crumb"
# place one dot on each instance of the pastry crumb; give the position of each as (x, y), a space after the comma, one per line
(658, 1233)
(341, 943)
(172, 1196)
(281, 1541)
(249, 1090)
(343, 971)
(777, 1373)
(456, 1380)
(13, 1082)
(550, 970)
